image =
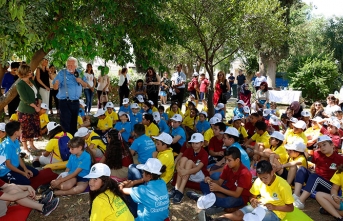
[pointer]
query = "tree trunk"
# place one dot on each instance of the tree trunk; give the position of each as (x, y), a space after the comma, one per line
(271, 72)
(2, 73)
(189, 70)
(261, 63)
(12, 92)
(210, 106)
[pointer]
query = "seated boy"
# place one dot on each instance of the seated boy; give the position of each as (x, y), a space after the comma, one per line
(237, 123)
(261, 138)
(178, 133)
(276, 195)
(43, 118)
(202, 124)
(104, 122)
(209, 132)
(192, 166)
(111, 113)
(126, 106)
(135, 117)
(215, 148)
(93, 141)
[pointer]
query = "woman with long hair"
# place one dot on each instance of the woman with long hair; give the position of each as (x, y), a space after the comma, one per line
(317, 110)
(152, 81)
(139, 89)
(42, 79)
(222, 86)
(262, 96)
(124, 80)
(103, 87)
(89, 91)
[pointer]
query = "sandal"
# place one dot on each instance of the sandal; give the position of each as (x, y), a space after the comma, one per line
(323, 211)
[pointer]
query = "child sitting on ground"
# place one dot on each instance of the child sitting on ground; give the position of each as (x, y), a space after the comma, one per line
(215, 146)
(146, 108)
(178, 133)
(274, 110)
(333, 132)
(126, 106)
(238, 111)
(104, 124)
(153, 108)
(43, 118)
(297, 133)
(135, 116)
(109, 107)
(151, 128)
(94, 142)
(220, 109)
(209, 133)
(2, 131)
(162, 124)
(237, 123)
(261, 138)
(124, 125)
(190, 105)
(190, 121)
(174, 109)
(202, 124)
(164, 116)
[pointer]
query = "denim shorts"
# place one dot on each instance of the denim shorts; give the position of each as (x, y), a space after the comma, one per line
(81, 179)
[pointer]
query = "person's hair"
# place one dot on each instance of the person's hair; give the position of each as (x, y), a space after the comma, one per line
(107, 184)
(236, 139)
(280, 142)
(73, 59)
(55, 131)
(116, 149)
(313, 110)
(137, 87)
(196, 111)
(191, 103)
(339, 168)
(24, 71)
(123, 70)
(161, 108)
(255, 115)
(265, 86)
(223, 79)
(79, 141)
(156, 176)
(221, 125)
(260, 125)
(151, 69)
(202, 74)
(50, 66)
(234, 152)
(273, 104)
(264, 167)
(150, 118)
(40, 63)
(92, 72)
(139, 129)
(172, 104)
(15, 64)
(332, 98)
(259, 113)
(147, 103)
(12, 127)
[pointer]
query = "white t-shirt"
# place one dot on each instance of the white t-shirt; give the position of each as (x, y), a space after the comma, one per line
(102, 82)
(89, 79)
(259, 80)
(178, 78)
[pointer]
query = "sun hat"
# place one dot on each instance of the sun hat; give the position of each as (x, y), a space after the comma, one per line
(323, 138)
(109, 105)
(293, 120)
(99, 170)
(44, 106)
(300, 124)
(240, 102)
(166, 138)
(257, 214)
(206, 201)
(219, 116)
(2, 127)
(232, 131)
(336, 124)
(236, 118)
(51, 125)
(278, 135)
(317, 118)
(99, 112)
(204, 113)
(152, 165)
(82, 103)
(151, 102)
(196, 138)
(140, 98)
(126, 101)
(305, 114)
(81, 132)
(156, 115)
(266, 112)
(274, 120)
(214, 120)
(246, 109)
(121, 113)
(134, 106)
(297, 146)
(176, 117)
(195, 74)
(219, 106)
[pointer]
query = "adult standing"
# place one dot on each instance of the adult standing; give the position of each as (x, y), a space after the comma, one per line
(258, 80)
(167, 82)
(195, 88)
(152, 81)
(69, 86)
(53, 92)
(240, 79)
(7, 82)
(42, 78)
(124, 80)
(221, 88)
(103, 85)
(89, 91)
(178, 84)
(29, 106)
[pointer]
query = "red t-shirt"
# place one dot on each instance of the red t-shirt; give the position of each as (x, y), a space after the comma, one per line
(250, 128)
(326, 166)
(1, 184)
(336, 140)
(241, 178)
(202, 156)
(203, 85)
(215, 144)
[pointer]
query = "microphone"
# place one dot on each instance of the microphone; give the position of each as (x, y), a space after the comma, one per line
(76, 74)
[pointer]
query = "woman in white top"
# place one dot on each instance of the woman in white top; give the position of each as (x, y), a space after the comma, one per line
(89, 91)
(124, 80)
(332, 107)
(262, 96)
(103, 85)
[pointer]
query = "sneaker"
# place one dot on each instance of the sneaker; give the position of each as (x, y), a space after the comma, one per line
(298, 204)
(339, 219)
(50, 206)
(203, 216)
(295, 197)
(48, 197)
(214, 210)
(178, 197)
(171, 193)
(193, 195)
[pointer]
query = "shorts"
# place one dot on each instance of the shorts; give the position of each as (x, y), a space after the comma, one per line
(163, 93)
(198, 177)
(81, 179)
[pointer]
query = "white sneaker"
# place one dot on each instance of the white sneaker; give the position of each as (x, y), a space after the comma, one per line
(298, 204)
(295, 197)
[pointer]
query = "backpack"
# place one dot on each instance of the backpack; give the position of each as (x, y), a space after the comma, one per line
(103, 139)
(191, 85)
(63, 146)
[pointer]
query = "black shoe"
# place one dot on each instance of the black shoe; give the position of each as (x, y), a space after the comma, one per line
(214, 210)
(323, 211)
(46, 192)
(178, 197)
(50, 206)
(203, 216)
(47, 199)
(171, 193)
(339, 219)
(193, 195)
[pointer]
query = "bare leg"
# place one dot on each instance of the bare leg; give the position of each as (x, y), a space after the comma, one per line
(24, 142)
(291, 174)
(31, 144)
(237, 215)
(79, 188)
(67, 185)
(27, 202)
(189, 165)
(181, 164)
(304, 196)
(326, 201)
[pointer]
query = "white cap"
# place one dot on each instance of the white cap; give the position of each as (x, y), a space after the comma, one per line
(99, 170)
(51, 125)
(274, 120)
(246, 109)
(2, 127)
(323, 138)
(140, 98)
(126, 100)
(157, 116)
(317, 118)
(266, 112)
(195, 74)
(240, 102)
(219, 116)
(135, 106)
(192, 95)
(206, 201)
(99, 112)
(151, 102)
(257, 214)
(44, 106)
(82, 103)
(193, 102)
(236, 118)
(336, 108)
(204, 113)
(232, 131)
(2, 159)
(293, 120)
(176, 117)
(219, 106)
(305, 114)
(121, 113)
(300, 124)
(297, 146)
(164, 137)
(109, 105)
(214, 120)
(81, 132)
(152, 165)
(278, 135)
(196, 138)
(336, 124)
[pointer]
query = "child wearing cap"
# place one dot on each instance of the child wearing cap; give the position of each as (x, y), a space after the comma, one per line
(173, 109)
(94, 142)
(332, 131)
(273, 109)
(190, 121)
(107, 202)
(275, 192)
(209, 133)
(43, 118)
(237, 123)
(277, 152)
(297, 133)
(162, 124)
(104, 124)
(164, 116)
(111, 113)
(220, 109)
(326, 160)
(151, 128)
(146, 108)
(149, 201)
(202, 124)
(153, 108)
(261, 138)
(238, 110)
(165, 154)
(135, 116)
(178, 133)
(312, 133)
(82, 108)
(125, 107)
(306, 116)
(2, 131)
(124, 125)
(192, 166)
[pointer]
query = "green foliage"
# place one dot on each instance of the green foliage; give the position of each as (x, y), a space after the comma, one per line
(316, 77)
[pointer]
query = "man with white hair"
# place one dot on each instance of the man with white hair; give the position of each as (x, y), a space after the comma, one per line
(69, 86)
(258, 80)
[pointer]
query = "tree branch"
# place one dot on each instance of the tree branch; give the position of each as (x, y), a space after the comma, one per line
(220, 60)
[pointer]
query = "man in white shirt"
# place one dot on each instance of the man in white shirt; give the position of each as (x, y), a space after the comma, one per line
(258, 80)
(178, 84)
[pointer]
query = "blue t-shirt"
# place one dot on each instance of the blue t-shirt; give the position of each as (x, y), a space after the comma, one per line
(81, 112)
(144, 146)
(164, 116)
(146, 112)
(83, 161)
(202, 127)
(181, 132)
(221, 112)
(163, 127)
(127, 126)
(135, 119)
(74, 88)
(10, 150)
(125, 109)
(238, 112)
(8, 81)
(152, 199)
(244, 156)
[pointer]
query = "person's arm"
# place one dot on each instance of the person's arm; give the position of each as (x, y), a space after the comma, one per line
(22, 164)
(334, 193)
(46, 153)
(14, 197)
(247, 144)
(215, 187)
(40, 81)
(176, 138)
(284, 208)
(228, 86)
(13, 168)
(56, 182)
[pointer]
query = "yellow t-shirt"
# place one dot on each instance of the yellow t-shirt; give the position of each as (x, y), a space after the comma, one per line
(95, 139)
(107, 206)
(154, 109)
(291, 137)
(189, 122)
(79, 121)
(301, 159)
(243, 131)
(113, 116)
(205, 109)
(44, 120)
(171, 113)
(14, 117)
(337, 179)
(167, 158)
(279, 193)
(52, 146)
(208, 135)
(310, 133)
(152, 130)
(264, 138)
(105, 124)
(282, 152)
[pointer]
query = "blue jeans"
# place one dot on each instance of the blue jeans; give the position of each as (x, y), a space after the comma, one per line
(134, 173)
(224, 202)
(14, 177)
(313, 181)
(69, 111)
(270, 215)
(89, 98)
